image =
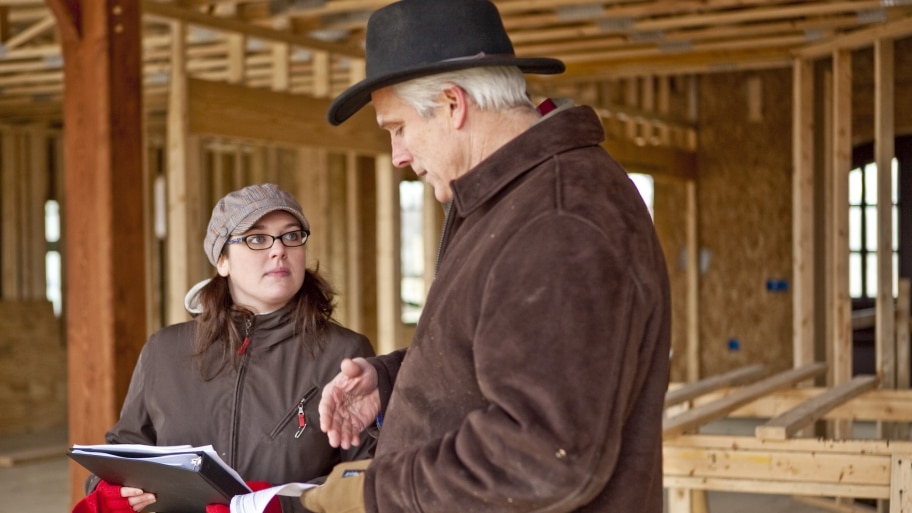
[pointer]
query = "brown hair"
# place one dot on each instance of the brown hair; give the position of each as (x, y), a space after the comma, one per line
(217, 324)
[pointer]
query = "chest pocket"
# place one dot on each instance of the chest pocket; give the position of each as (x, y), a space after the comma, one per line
(302, 416)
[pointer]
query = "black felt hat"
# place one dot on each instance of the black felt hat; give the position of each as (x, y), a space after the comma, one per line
(415, 38)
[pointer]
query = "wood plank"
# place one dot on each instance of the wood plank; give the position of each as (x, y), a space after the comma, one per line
(389, 266)
(887, 405)
(354, 272)
(657, 161)
(901, 483)
(235, 111)
(840, 302)
(691, 391)
(802, 415)
(884, 133)
(249, 29)
(778, 487)
(105, 292)
(866, 37)
(699, 415)
(179, 190)
(803, 301)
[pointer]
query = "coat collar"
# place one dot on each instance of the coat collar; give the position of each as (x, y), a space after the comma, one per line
(565, 130)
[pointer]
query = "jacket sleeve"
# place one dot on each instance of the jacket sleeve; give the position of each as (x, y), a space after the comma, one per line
(387, 367)
(135, 423)
(565, 333)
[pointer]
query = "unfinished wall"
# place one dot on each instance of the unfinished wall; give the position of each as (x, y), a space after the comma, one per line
(744, 220)
(863, 91)
(33, 388)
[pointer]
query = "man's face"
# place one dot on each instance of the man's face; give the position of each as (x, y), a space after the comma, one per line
(428, 145)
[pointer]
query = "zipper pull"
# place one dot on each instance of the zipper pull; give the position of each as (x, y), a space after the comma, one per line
(302, 422)
(243, 348)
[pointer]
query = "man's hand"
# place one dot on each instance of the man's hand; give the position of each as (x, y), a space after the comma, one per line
(343, 491)
(350, 403)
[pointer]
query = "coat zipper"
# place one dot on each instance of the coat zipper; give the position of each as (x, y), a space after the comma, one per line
(242, 375)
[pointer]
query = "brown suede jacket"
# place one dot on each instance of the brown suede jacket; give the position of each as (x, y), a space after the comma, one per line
(537, 374)
(249, 415)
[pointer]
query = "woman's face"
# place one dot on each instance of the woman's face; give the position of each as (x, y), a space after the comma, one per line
(265, 280)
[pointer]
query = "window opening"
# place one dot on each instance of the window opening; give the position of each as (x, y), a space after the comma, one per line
(411, 204)
(863, 230)
(52, 261)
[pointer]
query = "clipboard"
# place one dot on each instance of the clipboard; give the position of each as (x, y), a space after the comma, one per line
(183, 480)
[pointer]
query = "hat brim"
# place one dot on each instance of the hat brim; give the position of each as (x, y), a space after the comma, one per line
(357, 96)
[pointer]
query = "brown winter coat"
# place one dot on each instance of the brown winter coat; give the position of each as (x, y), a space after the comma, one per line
(249, 415)
(537, 373)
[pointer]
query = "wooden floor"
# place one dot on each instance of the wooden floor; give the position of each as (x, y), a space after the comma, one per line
(34, 479)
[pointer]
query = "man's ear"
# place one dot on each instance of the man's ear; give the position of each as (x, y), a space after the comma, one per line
(457, 105)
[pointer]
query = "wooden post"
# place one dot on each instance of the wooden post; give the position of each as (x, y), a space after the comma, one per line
(103, 216)
(803, 212)
(902, 347)
(841, 149)
(354, 275)
(885, 338)
(389, 298)
(183, 194)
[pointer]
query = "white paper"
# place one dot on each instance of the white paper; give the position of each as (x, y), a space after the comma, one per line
(256, 502)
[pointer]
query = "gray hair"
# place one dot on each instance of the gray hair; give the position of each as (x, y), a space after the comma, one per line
(490, 88)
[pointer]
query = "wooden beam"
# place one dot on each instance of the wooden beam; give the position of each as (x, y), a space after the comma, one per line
(885, 405)
(803, 302)
(103, 237)
(702, 414)
(388, 271)
(692, 329)
(840, 306)
(354, 272)
(222, 24)
(693, 390)
(884, 134)
(810, 466)
(903, 322)
(790, 422)
(654, 160)
(866, 37)
(68, 14)
(231, 110)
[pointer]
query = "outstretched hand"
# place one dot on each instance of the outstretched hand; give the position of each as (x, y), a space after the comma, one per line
(350, 403)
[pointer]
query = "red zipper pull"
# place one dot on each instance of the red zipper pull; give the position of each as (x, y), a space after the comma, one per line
(302, 422)
(243, 348)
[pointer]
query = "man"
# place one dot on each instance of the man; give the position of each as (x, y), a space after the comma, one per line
(537, 374)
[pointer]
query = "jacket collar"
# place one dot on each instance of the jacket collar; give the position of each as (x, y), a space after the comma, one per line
(564, 130)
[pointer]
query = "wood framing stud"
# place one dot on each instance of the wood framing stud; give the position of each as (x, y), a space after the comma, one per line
(690, 419)
(804, 414)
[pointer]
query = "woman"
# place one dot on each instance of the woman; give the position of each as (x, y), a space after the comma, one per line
(255, 357)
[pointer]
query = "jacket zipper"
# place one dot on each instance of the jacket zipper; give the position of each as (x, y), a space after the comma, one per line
(242, 375)
(298, 411)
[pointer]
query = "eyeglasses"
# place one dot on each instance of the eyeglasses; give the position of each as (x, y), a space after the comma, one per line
(261, 241)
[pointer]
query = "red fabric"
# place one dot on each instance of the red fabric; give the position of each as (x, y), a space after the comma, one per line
(104, 499)
(273, 507)
(546, 106)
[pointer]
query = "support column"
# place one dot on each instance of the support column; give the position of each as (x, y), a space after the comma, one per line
(103, 237)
